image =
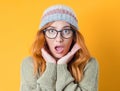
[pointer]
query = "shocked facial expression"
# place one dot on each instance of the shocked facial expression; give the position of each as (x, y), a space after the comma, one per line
(59, 37)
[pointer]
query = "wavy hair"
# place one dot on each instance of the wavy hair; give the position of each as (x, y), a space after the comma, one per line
(75, 66)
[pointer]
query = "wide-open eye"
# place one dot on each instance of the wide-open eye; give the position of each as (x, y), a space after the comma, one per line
(66, 31)
(51, 31)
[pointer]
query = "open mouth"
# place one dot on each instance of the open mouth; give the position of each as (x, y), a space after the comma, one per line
(59, 49)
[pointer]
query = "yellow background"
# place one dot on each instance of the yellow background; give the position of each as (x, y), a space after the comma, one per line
(99, 22)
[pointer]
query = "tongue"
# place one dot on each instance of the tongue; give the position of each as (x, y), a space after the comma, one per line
(59, 49)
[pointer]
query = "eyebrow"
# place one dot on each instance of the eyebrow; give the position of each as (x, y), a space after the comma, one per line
(62, 27)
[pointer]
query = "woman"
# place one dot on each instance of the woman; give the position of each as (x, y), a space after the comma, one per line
(60, 60)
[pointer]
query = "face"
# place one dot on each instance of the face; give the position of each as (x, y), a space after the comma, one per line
(59, 46)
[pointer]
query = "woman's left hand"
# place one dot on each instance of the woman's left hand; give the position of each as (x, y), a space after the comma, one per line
(67, 58)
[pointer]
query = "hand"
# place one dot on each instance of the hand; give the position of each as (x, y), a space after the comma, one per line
(67, 58)
(47, 56)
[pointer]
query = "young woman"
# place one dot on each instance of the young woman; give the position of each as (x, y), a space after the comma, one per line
(60, 60)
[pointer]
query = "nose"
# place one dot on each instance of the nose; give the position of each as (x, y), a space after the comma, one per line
(59, 37)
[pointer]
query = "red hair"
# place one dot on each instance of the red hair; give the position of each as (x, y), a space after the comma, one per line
(75, 66)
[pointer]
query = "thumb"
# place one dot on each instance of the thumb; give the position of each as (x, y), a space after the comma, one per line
(75, 48)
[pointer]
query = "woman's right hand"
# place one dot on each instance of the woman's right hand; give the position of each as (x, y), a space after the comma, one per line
(47, 56)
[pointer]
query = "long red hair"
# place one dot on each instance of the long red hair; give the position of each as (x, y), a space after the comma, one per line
(75, 66)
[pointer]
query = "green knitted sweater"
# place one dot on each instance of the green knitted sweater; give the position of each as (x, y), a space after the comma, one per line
(57, 77)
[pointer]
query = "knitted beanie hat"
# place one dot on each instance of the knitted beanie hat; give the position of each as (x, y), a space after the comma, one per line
(59, 12)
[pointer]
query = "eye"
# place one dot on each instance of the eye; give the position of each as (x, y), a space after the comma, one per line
(66, 31)
(51, 31)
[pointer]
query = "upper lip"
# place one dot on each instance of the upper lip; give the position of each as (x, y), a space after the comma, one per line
(59, 46)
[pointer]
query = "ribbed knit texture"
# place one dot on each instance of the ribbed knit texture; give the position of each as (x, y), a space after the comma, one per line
(59, 12)
(57, 77)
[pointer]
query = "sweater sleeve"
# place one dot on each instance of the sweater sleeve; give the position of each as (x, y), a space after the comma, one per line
(65, 81)
(31, 82)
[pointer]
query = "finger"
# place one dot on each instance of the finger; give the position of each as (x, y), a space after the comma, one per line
(75, 48)
(43, 51)
(47, 56)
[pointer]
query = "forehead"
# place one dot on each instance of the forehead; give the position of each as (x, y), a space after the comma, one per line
(60, 24)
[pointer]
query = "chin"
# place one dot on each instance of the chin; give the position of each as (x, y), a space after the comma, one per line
(59, 56)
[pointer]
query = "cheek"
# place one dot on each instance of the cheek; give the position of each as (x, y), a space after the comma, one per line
(49, 43)
(68, 45)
